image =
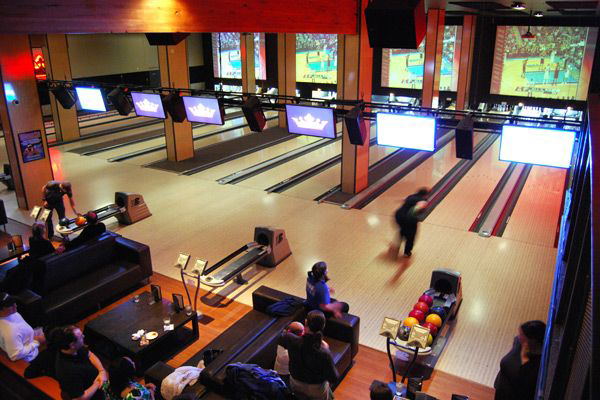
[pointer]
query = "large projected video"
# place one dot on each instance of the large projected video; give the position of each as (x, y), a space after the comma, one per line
(550, 147)
(227, 60)
(316, 58)
(403, 68)
(556, 63)
(406, 131)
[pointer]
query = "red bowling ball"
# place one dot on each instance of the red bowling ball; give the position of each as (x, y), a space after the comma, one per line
(422, 306)
(432, 328)
(418, 314)
(426, 299)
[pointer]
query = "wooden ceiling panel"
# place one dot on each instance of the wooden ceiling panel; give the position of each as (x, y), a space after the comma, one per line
(119, 16)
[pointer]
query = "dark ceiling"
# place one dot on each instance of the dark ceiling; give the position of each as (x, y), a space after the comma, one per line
(501, 8)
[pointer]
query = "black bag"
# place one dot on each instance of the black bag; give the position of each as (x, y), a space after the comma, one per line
(209, 355)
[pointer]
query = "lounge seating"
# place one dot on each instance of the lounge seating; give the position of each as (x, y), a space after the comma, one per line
(66, 286)
(254, 338)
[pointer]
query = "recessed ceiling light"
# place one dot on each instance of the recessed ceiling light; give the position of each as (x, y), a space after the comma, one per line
(517, 6)
(538, 14)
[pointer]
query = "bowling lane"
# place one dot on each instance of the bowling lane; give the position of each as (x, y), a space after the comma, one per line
(199, 143)
(425, 175)
(535, 217)
(329, 178)
(198, 130)
(291, 168)
(461, 206)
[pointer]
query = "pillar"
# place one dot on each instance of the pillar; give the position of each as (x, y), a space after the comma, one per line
(248, 73)
(355, 75)
(58, 67)
(286, 68)
(434, 45)
(175, 73)
(22, 120)
(465, 55)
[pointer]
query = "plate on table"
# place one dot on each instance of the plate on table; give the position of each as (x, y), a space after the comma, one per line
(151, 335)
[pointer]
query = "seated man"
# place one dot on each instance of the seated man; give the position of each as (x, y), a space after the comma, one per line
(78, 371)
(17, 337)
(92, 230)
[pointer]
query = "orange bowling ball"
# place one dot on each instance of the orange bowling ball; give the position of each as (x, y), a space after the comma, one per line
(410, 321)
(80, 221)
(434, 319)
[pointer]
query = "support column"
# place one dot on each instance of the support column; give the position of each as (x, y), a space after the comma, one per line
(355, 75)
(58, 66)
(248, 73)
(434, 45)
(286, 68)
(465, 55)
(175, 73)
(22, 119)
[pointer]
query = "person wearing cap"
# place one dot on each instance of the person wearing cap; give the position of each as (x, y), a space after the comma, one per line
(519, 369)
(92, 230)
(318, 292)
(17, 337)
(312, 370)
(52, 195)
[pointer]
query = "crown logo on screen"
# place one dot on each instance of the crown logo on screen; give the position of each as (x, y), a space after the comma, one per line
(201, 111)
(310, 122)
(147, 106)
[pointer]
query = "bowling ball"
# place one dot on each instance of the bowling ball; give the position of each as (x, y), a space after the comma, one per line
(410, 321)
(421, 306)
(439, 310)
(426, 299)
(64, 222)
(418, 314)
(429, 339)
(80, 221)
(434, 319)
(432, 328)
(403, 332)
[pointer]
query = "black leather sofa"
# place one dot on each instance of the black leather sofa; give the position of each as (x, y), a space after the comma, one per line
(254, 338)
(66, 286)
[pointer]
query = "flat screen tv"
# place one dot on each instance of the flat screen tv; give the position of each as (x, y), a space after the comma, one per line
(549, 147)
(207, 110)
(148, 105)
(90, 99)
(312, 121)
(408, 131)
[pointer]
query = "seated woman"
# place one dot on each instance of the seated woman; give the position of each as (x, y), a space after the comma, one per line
(318, 292)
(311, 365)
(121, 383)
(519, 369)
(39, 245)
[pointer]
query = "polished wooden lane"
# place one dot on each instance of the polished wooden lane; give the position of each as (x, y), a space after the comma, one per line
(425, 175)
(462, 205)
(538, 209)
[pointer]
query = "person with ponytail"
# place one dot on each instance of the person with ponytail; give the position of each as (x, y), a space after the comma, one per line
(312, 369)
(318, 292)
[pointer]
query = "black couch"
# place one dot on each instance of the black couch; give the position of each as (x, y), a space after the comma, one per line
(254, 338)
(66, 286)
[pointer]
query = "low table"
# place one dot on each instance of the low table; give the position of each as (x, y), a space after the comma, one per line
(110, 333)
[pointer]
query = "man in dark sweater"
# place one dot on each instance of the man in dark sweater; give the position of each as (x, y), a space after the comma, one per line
(311, 365)
(78, 371)
(407, 218)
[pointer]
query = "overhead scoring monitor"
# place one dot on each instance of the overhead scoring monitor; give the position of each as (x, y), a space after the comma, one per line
(408, 131)
(312, 121)
(90, 98)
(148, 105)
(549, 147)
(208, 110)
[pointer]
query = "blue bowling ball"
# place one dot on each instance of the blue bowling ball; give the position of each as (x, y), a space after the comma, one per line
(439, 310)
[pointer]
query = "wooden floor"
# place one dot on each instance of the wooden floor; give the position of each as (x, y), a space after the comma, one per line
(506, 281)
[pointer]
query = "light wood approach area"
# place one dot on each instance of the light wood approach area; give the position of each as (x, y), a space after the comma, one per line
(506, 281)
